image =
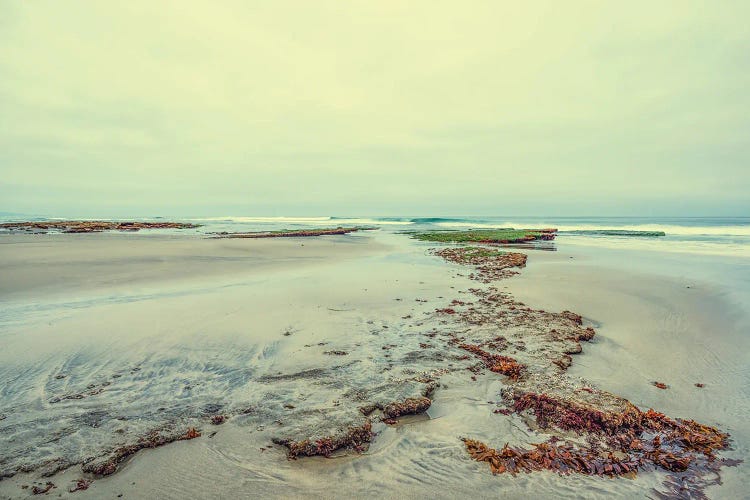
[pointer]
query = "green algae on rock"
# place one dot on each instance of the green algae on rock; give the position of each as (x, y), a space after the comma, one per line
(504, 235)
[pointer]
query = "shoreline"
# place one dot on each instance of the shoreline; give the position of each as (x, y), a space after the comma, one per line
(430, 359)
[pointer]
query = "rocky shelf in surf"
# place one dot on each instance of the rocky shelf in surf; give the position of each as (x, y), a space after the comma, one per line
(591, 431)
(294, 233)
(615, 232)
(90, 226)
(499, 236)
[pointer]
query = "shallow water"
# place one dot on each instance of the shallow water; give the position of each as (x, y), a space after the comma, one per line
(176, 353)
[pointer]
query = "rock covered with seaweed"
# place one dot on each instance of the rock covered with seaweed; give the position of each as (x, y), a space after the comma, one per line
(91, 226)
(498, 236)
(618, 437)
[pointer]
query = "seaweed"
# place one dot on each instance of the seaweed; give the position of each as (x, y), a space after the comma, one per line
(496, 362)
(410, 406)
(577, 416)
(563, 459)
(155, 439)
(446, 310)
(587, 334)
(80, 485)
(355, 437)
(93, 226)
(218, 419)
(38, 490)
(504, 235)
(491, 264)
(672, 447)
(575, 318)
(632, 440)
(621, 437)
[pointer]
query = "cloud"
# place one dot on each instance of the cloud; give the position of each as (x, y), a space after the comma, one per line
(386, 107)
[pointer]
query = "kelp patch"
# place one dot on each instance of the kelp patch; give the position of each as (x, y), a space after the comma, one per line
(618, 438)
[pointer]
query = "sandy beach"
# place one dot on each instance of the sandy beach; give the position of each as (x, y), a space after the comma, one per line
(374, 250)
(107, 337)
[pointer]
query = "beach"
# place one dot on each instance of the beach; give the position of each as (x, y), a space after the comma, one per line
(374, 250)
(256, 343)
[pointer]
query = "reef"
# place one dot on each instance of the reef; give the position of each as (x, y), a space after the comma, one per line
(491, 264)
(591, 431)
(348, 427)
(90, 226)
(496, 362)
(630, 441)
(293, 233)
(107, 464)
(355, 437)
(504, 235)
(410, 406)
(323, 431)
(616, 232)
(548, 456)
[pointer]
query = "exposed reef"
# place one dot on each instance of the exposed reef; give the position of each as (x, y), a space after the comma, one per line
(90, 226)
(560, 458)
(354, 437)
(108, 464)
(504, 235)
(491, 264)
(324, 430)
(615, 232)
(410, 406)
(293, 233)
(591, 431)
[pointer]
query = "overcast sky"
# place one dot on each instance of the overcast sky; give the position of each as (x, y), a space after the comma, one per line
(366, 108)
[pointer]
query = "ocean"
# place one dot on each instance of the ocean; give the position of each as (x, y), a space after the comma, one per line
(729, 236)
(725, 236)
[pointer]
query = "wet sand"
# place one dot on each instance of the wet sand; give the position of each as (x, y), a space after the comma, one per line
(38, 266)
(182, 329)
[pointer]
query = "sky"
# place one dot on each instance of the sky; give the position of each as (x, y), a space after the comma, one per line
(374, 108)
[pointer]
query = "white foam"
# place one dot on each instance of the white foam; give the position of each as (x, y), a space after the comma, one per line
(305, 220)
(670, 229)
(235, 218)
(377, 222)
